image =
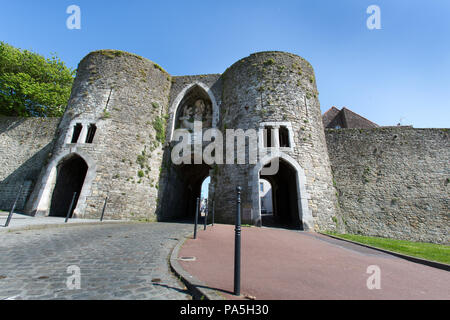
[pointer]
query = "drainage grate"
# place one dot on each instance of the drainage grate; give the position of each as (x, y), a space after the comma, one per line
(187, 259)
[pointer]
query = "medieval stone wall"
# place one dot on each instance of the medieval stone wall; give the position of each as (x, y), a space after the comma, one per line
(126, 97)
(25, 147)
(170, 205)
(181, 82)
(393, 182)
(388, 182)
(276, 87)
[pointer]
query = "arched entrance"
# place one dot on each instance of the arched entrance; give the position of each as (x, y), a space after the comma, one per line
(184, 187)
(184, 181)
(284, 198)
(71, 173)
(289, 184)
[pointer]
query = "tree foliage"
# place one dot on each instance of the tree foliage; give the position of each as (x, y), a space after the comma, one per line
(31, 85)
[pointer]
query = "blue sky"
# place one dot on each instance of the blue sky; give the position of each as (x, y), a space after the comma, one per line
(205, 188)
(400, 73)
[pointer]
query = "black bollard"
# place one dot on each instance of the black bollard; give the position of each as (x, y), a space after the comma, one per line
(70, 208)
(196, 218)
(213, 213)
(206, 217)
(104, 208)
(8, 220)
(237, 246)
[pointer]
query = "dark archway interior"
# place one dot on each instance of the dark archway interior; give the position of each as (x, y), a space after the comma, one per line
(185, 187)
(184, 182)
(285, 204)
(70, 179)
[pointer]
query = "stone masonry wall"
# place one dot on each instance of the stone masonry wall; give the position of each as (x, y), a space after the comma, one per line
(276, 87)
(25, 147)
(126, 96)
(393, 182)
(170, 182)
(388, 182)
(181, 82)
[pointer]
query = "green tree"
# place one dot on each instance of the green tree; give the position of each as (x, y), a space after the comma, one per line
(31, 85)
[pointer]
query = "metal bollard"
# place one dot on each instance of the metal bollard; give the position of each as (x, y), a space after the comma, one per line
(70, 208)
(205, 219)
(104, 208)
(213, 212)
(196, 218)
(8, 220)
(237, 246)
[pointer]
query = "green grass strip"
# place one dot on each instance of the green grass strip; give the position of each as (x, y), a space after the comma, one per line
(428, 251)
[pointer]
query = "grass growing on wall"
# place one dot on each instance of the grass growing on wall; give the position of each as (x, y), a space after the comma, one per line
(159, 124)
(428, 251)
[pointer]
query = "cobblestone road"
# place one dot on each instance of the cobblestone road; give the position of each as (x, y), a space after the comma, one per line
(126, 261)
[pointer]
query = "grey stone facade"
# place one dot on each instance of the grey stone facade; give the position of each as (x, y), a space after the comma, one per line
(277, 89)
(120, 124)
(26, 146)
(123, 95)
(393, 182)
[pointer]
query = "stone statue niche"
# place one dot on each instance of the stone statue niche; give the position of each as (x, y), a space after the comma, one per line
(192, 110)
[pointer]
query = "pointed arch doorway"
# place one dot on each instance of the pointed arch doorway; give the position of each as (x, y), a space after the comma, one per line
(71, 173)
(195, 103)
(285, 210)
(289, 196)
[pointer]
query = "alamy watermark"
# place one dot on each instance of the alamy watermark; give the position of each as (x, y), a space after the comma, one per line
(228, 148)
(374, 20)
(374, 281)
(74, 20)
(73, 282)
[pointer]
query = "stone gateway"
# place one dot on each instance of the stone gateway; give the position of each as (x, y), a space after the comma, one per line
(117, 134)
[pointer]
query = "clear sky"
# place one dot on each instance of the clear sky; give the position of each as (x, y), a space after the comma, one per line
(400, 73)
(205, 188)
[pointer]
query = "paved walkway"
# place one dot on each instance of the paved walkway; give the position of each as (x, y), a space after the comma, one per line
(119, 261)
(21, 221)
(287, 265)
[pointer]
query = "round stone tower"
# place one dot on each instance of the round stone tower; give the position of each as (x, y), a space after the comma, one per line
(109, 142)
(275, 94)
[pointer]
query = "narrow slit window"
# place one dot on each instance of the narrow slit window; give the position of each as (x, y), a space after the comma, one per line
(284, 138)
(268, 137)
(76, 132)
(91, 133)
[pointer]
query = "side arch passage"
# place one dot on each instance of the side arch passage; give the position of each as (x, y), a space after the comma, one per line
(290, 199)
(71, 173)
